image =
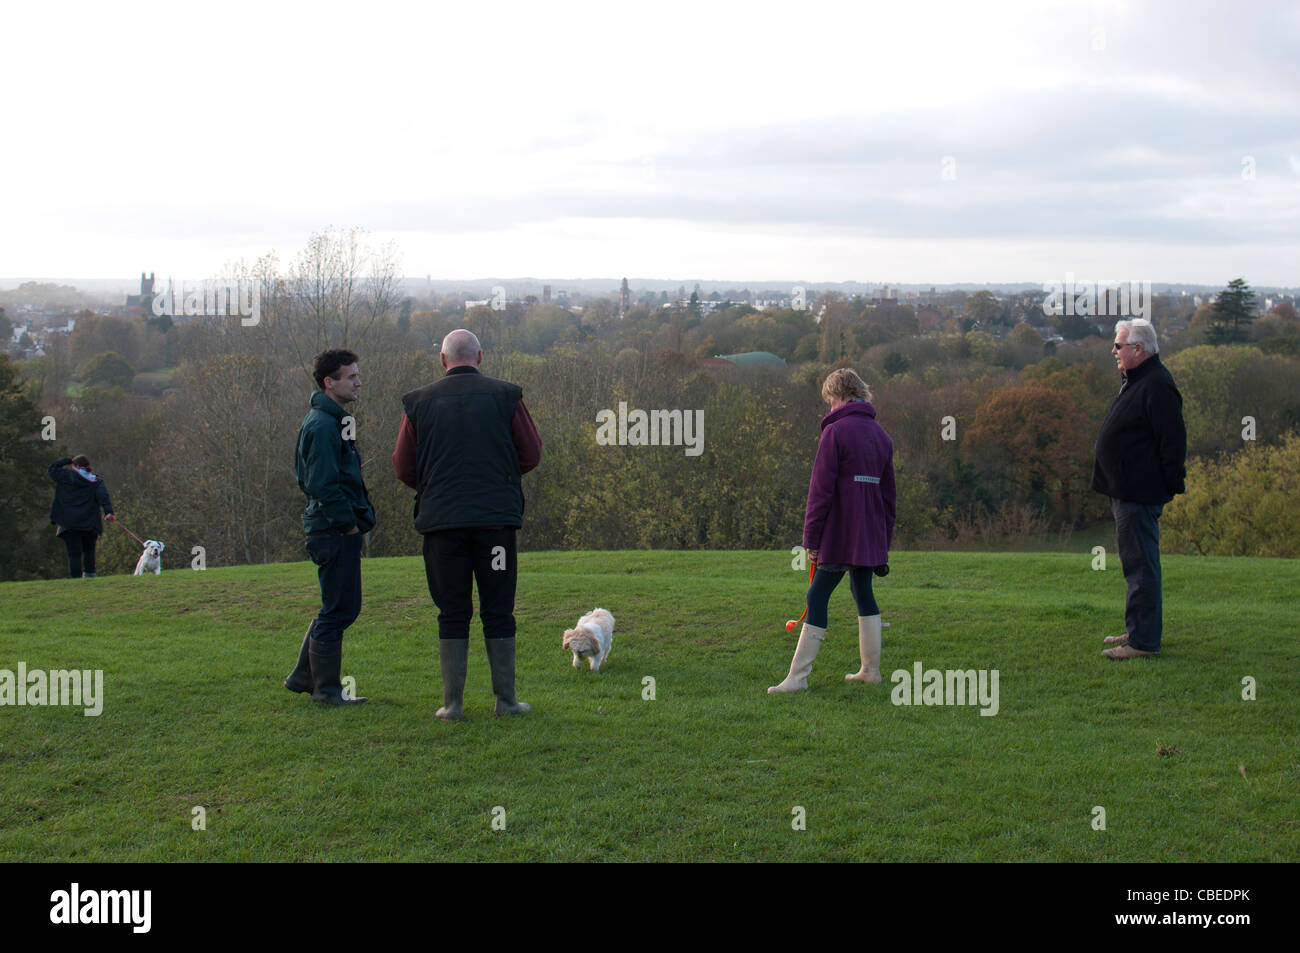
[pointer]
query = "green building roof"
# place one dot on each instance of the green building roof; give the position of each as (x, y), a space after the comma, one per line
(753, 359)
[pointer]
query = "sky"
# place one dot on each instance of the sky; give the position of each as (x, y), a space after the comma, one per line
(846, 141)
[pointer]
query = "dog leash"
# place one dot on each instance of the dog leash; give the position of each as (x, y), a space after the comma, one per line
(128, 532)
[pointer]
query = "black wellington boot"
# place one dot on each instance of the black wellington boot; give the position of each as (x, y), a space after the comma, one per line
(300, 679)
(501, 659)
(326, 660)
(453, 656)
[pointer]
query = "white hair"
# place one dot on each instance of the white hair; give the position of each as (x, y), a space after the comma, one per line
(461, 345)
(1141, 332)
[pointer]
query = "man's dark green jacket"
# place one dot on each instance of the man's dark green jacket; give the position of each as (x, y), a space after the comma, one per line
(329, 472)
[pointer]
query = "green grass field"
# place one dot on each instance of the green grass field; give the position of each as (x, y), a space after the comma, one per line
(711, 769)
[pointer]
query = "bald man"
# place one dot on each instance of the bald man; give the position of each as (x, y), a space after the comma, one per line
(465, 441)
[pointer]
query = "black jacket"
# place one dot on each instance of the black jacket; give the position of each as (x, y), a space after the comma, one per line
(77, 501)
(1141, 451)
(467, 464)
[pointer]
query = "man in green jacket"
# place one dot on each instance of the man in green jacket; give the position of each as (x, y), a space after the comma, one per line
(337, 517)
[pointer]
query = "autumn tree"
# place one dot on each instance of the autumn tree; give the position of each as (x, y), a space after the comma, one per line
(1284, 310)
(982, 345)
(108, 371)
(836, 342)
(1023, 335)
(95, 334)
(1223, 386)
(1239, 505)
(982, 309)
(895, 364)
(599, 313)
(1037, 443)
(886, 323)
(1278, 332)
(25, 490)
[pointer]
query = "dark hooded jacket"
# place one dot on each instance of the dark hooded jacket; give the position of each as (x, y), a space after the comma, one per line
(77, 501)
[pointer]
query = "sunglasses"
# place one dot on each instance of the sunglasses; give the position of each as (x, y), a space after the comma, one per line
(1117, 346)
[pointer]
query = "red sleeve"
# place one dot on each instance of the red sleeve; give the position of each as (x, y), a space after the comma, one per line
(528, 442)
(404, 455)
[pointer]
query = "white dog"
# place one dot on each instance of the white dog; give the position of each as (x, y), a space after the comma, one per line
(591, 639)
(151, 558)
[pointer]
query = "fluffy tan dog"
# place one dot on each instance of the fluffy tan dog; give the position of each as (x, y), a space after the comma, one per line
(591, 639)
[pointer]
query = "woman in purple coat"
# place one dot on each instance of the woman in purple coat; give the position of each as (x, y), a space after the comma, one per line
(848, 523)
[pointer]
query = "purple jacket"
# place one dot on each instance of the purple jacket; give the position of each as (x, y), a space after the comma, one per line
(850, 514)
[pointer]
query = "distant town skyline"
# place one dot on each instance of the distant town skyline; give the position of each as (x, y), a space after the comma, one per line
(415, 285)
(934, 143)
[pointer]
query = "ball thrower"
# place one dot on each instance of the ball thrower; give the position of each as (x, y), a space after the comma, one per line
(790, 626)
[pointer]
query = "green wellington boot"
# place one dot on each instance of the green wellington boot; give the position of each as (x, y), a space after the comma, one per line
(326, 661)
(501, 659)
(453, 656)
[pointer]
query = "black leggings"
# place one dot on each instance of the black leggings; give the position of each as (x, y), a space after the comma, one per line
(824, 583)
(81, 550)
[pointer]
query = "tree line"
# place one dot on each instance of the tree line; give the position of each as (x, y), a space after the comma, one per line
(993, 436)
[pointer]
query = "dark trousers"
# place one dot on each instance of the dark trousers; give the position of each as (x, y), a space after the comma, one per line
(824, 583)
(1138, 532)
(338, 566)
(454, 559)
(81, 550)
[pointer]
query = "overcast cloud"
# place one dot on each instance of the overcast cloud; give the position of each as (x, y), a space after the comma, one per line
(814, 141)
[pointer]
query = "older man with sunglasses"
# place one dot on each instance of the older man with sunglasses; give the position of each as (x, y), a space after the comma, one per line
(1141, 454)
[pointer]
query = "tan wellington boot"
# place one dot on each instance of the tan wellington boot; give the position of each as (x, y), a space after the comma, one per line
(805, 653)
(868, 650)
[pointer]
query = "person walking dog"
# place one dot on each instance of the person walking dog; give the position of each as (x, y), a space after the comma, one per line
(79, 495)
(848, 523)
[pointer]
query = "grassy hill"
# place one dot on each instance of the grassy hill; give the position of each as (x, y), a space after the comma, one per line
(194, 715)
